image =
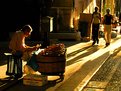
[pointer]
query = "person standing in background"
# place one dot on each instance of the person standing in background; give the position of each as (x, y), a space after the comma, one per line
(108, 20)
(120, 17)
(96, 20)
(120, 22)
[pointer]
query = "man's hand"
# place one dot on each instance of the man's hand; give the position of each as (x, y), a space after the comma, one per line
(38, 46)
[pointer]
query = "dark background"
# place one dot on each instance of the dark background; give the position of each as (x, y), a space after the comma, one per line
(16, 13)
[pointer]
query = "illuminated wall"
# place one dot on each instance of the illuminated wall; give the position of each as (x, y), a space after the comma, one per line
(82, 6)
(67, 12)
(110, 4)
(61, 11)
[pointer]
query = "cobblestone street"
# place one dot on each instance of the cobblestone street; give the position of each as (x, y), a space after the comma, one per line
(108, 78)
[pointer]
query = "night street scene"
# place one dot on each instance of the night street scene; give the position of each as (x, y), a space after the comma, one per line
(60, 45)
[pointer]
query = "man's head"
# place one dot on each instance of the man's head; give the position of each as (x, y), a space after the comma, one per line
(27, 29)
(108, 10)
(96, 8)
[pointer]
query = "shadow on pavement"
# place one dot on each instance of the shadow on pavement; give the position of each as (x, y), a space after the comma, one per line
(17, 85)
(7, 82)
(88, 50)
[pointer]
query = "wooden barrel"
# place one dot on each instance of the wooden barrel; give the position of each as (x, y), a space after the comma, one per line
(52, 64)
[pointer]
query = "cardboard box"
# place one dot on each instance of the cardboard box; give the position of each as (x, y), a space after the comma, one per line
(34, 79)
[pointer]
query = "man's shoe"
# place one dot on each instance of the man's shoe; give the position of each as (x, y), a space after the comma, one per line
(97, 41)
(107, 44)
(93, 43)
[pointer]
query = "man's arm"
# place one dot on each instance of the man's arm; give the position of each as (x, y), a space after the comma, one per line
(92, 17)
(100, 17)
(32, 48)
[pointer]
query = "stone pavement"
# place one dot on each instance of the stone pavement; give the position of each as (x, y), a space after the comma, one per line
(108, 77)
(83, 61)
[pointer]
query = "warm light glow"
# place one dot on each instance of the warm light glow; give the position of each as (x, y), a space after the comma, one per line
(76, 18)
(3, 69)
(51, 24)
(72, 19)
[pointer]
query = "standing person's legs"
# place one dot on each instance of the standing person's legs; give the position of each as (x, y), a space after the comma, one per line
(97, 33)
(93, 34)
(107, 32)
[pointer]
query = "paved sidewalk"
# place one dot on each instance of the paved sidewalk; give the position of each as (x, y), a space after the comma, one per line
(83, 61)
(108, 77)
